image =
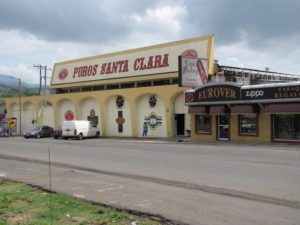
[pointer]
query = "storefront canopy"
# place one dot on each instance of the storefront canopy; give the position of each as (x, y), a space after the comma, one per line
(240, 109)
(283, 108)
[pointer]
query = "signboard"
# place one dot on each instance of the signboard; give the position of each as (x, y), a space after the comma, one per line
(137, 62)
(234, 93)
(214, 92)
(272, 92)
(193, 72)
(69, 115)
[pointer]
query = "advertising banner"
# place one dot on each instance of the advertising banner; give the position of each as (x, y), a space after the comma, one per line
(193, 72)
(150, 60)
(264, 92)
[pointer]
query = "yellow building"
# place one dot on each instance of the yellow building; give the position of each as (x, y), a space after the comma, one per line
(121, 91)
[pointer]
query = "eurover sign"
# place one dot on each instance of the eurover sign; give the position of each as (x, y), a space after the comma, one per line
(151, 60)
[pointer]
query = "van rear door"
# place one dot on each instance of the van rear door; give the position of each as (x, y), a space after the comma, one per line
(68, 129)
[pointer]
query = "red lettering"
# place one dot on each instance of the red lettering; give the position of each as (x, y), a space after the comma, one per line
(90, 69)
(165, 60)
(157, 61)
(114, 67)
(125, 67)
(143, 66)
(75, 72)
(94, 70)
(84, 71)
(136, 64)
(108, 68)
(150, 62)
(103, 68)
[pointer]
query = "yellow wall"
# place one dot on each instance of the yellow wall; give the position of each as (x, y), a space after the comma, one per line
(204, 137)
(167, 93)
(264, 130)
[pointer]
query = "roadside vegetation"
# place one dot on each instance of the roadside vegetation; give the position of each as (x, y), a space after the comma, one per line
(9, 92)
(21, 204)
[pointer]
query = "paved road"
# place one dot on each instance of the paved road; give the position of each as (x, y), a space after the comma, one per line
(188, 182)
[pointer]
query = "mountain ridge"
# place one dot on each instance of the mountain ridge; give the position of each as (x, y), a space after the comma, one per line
(8, 81)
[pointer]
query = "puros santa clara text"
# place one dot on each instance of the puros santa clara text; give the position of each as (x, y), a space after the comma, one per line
(141, 63)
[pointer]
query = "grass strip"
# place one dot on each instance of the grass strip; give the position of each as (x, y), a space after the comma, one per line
(21, 204)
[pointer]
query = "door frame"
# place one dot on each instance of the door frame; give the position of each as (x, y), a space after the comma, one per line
(218, 127)
(176, 123)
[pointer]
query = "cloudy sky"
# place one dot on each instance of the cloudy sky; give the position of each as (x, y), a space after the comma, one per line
(252, 34)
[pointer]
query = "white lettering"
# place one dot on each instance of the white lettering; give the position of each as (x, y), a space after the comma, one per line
(254, 94)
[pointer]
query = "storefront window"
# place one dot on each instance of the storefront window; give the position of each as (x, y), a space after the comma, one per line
(248, 124)
(286, 127)
(203, 124)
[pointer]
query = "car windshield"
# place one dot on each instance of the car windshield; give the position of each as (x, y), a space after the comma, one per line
(36, 129)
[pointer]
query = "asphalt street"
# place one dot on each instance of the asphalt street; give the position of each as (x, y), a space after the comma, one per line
(188, 183)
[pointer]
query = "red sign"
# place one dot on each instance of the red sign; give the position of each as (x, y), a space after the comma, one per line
(120, 120)
(192, 53)
(63, 74)
(189, 97)
(69, 115)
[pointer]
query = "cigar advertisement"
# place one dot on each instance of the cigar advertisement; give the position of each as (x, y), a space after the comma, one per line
(192, 71)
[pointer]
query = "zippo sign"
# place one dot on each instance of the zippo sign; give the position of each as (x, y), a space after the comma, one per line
(281, 92)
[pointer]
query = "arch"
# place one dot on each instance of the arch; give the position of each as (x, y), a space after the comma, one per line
(28, 115)
(63, 106)
(45, 113)
(155, 116)
(14, 110)
(118, 120)
(181, 117)
(87, 105)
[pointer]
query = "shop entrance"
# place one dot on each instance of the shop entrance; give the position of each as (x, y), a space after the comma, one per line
(223, 127)
(179, 118)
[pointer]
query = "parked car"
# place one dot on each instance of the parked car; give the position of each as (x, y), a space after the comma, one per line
(80, 129)
(39, 131)
(57, 132)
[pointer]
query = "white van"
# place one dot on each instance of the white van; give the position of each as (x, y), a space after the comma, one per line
(80, 129)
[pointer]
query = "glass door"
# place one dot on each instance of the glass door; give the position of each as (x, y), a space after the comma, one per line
(223, 127)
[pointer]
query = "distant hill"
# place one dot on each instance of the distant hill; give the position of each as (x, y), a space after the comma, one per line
(10, 82)
(10, 87)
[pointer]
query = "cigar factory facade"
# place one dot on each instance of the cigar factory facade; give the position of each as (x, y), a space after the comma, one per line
(120, 91)
(176, 88)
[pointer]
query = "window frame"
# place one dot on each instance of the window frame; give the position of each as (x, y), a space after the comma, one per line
(256, 134)
(197, 130)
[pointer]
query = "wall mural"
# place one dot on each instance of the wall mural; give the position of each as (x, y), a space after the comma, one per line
(120, 120)
(92, 116)
(153, 120)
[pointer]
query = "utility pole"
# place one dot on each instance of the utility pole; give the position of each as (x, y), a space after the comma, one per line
(45, 78)
(40, 67)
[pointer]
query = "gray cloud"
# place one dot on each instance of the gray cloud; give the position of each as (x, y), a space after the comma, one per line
(96, 21)
(266, 28)
(69, 20)
(257, 20)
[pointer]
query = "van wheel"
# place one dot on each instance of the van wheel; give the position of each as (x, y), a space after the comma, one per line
(38, 136)
(97, 134)
(80, 136)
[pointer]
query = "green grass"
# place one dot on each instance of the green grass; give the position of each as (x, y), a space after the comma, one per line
(21, 204)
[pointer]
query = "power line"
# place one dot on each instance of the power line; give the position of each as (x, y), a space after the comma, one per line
(41, 68)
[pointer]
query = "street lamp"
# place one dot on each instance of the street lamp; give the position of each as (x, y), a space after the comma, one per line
(19, 79)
